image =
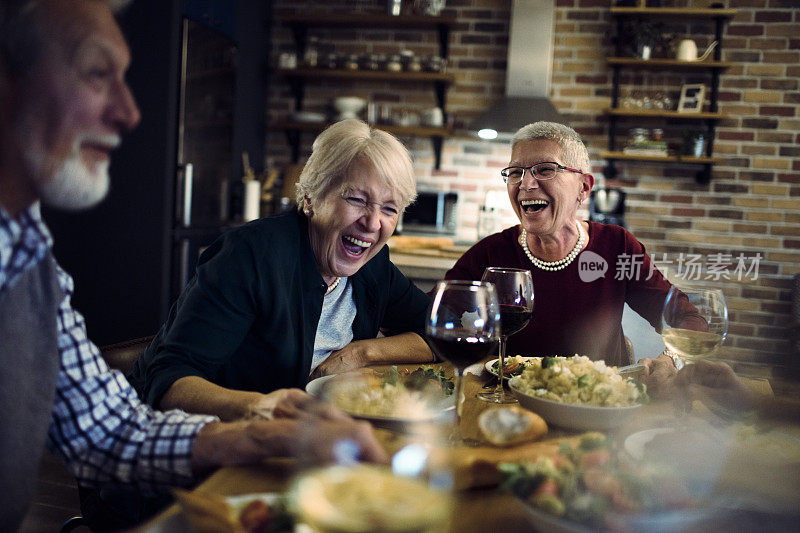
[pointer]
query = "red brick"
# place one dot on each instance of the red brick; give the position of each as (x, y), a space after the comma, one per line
(781, 111)
(676, 198)
(736, 135)
(745, 30)
(768, 44)
(683, 212)
(773, 16)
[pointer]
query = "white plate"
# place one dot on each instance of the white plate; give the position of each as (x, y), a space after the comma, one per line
(179, 521)
(489, 366)
(442, 412)
(657, 522)
(579, 417)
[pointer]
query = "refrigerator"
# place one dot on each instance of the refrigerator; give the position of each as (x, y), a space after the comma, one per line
(198, 74)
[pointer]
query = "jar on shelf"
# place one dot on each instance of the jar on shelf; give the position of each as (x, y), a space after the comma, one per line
(638, 136)
(406, 56)
(287, 60)
(658, 134)
(369, 62)
(311, 54)
(331, 61)
(394, 64)
(434, 64)
(415, 64)
(351, 63)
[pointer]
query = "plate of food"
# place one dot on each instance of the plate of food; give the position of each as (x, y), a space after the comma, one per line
(368, 498)
(262, 512)
(578, 393)
(391, 397)
(587, 487)
(512, 366)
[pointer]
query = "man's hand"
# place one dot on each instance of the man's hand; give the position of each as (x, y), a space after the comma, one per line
(312, 439)
(353, 356)
(292, 403)
(658, 375)
(715, 384)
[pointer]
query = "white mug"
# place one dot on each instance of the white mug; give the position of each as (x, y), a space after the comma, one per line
(687, 50)
(433, 117)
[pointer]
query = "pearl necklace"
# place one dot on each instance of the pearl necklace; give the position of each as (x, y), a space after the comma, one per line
(553, 265)
(333, 286)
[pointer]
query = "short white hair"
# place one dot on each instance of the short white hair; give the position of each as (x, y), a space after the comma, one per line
(342, 143)
(573, 151)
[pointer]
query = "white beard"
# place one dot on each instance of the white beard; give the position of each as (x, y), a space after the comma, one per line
(73, 185)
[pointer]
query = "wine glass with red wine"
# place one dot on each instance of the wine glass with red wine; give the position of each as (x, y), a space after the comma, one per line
(463, 326)
(514, 289)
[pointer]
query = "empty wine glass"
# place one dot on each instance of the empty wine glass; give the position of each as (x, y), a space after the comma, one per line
(463, 327)
(695, 321)
(514, 289)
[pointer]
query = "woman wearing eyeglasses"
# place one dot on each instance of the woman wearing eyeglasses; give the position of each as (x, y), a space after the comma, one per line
(297, 295)
(579, 297)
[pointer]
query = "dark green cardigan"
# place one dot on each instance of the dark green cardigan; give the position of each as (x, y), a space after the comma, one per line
(248, 319)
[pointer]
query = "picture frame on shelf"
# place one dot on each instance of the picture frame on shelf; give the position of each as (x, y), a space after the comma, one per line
(692, 98)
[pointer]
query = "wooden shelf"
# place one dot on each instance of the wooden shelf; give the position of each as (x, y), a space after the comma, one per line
(674, 12)
(679, 159)
(368, 20)
(318, 73)
(712, 69)
(667, 63)
(293, 130)
(649, 113)
(400, 131)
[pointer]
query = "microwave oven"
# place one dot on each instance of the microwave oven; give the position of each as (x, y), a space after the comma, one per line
(431, 212)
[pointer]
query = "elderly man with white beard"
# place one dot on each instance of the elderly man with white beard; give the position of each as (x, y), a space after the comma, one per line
(64, 105)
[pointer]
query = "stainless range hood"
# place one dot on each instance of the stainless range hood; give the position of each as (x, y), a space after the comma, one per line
(530, 64)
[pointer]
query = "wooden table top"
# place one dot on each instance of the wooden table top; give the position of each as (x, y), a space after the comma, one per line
(479, 505)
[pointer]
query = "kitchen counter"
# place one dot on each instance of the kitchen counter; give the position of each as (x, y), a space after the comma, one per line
(422, 267)
(425, 259)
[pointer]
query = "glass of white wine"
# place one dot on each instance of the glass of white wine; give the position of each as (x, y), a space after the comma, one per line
(695, 321)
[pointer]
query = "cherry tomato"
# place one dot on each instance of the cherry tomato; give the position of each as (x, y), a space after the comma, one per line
(548, 487)
(255, 517)
(595, 458)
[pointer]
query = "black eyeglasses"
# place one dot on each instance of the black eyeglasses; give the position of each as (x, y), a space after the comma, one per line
(387, 210)
(540, 171)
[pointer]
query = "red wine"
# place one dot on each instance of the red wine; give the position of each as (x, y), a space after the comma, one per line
(514, 318)
(462, 348)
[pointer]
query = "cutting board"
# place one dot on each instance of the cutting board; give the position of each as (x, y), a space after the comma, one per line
(475, 465)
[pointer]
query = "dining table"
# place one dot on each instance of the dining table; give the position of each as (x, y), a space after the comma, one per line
(479, 505)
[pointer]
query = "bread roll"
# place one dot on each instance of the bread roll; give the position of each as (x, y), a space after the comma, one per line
(509, 425)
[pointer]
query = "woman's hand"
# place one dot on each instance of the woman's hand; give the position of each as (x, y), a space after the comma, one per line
(659, 374)
(354, 355)
(396, 349)
(292, 403)
(715, 384)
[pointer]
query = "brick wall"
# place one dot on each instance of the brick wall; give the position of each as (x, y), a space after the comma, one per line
(752, 204)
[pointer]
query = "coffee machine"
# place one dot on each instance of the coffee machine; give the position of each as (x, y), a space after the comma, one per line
(607, 206)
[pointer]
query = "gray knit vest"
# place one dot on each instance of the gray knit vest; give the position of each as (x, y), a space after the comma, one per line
(29, 362)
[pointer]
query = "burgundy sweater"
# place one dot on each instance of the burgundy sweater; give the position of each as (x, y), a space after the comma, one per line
(570, 315)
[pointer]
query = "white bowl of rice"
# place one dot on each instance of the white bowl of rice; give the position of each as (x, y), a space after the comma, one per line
(577, 393)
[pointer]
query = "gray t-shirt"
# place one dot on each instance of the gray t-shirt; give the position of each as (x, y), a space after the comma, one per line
(335, 327)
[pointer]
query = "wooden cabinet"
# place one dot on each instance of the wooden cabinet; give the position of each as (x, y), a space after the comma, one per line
(299, 78)
(713, 68)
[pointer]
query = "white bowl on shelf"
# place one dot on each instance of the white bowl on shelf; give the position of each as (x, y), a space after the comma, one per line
(348, 106)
